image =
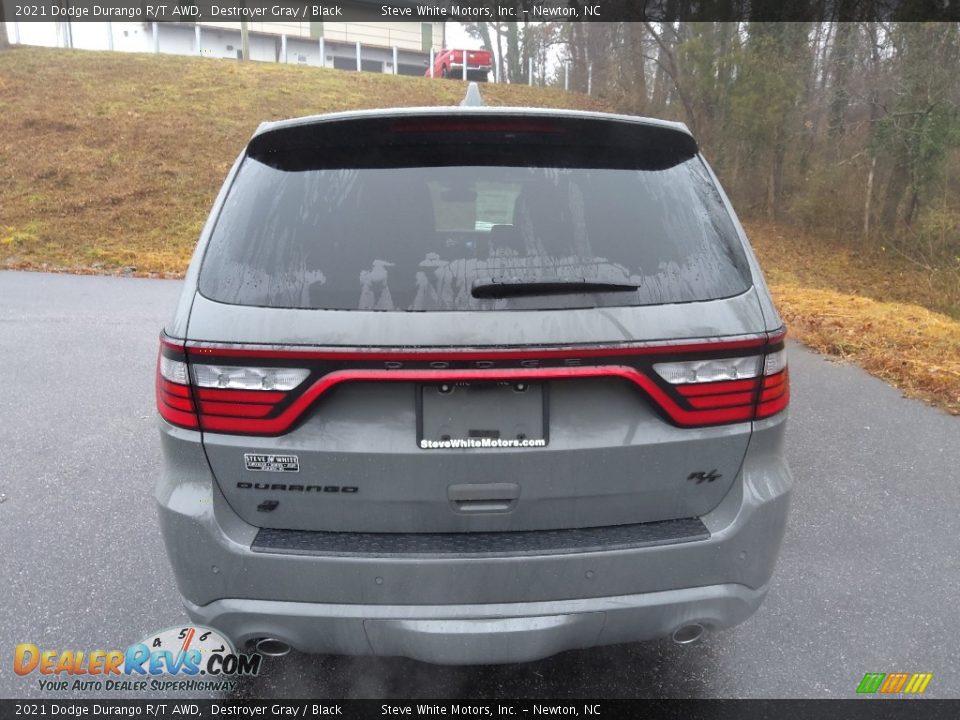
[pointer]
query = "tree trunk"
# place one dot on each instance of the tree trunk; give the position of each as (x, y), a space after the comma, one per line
(4, 40)
(673, 70)
(500, 64)
(514, 61)
(869, 199)
(245, 42)
(775, 183)
(899, 179)
(659, 84)
(912, 207)
(842, 50)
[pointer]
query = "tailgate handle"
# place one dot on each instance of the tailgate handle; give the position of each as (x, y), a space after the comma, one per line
(483, 497)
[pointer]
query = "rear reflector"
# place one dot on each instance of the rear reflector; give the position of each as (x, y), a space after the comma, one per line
(255, 391)
(173, 370)
(775, 362)
(174, 402)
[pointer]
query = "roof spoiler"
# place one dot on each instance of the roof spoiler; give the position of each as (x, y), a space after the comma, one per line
(471, 135)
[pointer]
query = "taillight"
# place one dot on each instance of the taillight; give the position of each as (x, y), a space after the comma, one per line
(250, 390)
(775, 389)
(731, 389)
(219, 397)
(174, 398)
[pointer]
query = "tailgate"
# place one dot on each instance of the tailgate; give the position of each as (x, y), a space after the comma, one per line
(372, 451)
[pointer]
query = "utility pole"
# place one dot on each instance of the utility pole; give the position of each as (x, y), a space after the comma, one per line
(244, 41)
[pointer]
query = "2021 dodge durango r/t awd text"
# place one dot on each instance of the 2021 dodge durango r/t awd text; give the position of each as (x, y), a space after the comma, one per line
(472, 385)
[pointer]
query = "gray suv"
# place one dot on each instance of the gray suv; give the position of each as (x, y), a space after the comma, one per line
(472, 385)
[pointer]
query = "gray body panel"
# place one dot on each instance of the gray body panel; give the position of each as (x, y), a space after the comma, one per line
(202, 532)
(611, 459)
(221, 322)
(320, 604)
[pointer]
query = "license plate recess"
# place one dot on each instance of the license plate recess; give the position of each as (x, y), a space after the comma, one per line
(502, 410)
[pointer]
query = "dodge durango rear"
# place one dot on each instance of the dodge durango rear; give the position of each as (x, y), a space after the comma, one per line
(472, 385)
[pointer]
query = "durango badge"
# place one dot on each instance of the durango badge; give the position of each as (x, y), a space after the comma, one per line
(271, 463)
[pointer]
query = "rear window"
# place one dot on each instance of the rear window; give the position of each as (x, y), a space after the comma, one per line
(420, 238)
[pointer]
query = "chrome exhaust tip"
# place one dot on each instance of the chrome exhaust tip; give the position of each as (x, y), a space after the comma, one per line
(688, 634)
(271, 647)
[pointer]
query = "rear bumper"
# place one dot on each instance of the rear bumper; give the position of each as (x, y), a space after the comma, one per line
(479, 634)
(474, 609)
(470, 68)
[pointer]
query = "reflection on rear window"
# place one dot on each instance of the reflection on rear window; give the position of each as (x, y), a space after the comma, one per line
(419, 239)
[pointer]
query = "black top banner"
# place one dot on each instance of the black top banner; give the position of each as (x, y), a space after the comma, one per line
(479, 10)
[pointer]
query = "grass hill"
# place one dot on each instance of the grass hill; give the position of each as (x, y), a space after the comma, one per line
(110, 159)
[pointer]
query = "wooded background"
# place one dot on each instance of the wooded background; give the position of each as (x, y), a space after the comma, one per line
(846, 128)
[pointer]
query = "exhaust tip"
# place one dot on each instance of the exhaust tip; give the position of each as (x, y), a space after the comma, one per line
(271, 647)
(688, 634)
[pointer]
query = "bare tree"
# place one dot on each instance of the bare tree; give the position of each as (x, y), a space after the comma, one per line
(4, 40)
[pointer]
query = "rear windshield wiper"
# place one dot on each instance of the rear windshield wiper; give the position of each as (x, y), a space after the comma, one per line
(547, 287)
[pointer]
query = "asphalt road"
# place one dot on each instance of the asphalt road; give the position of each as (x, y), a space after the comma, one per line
(868, 578)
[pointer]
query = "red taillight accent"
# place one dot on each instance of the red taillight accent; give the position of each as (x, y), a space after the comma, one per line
(749, 399)
(775, 395)
(219, 409)
(173, 388)
(234, 409)
(174, 403)
(722, 400)
(716, 388)
(177, 403)
(261, 412)
(240, 396)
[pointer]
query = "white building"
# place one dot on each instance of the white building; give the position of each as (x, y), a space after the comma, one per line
(367, 46)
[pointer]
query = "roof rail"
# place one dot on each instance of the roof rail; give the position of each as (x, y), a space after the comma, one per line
(472, 98)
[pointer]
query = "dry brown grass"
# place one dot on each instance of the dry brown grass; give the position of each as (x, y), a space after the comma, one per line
(791, 256)
(888, 316)
(110, 160)
(876, 311)
(907, 345)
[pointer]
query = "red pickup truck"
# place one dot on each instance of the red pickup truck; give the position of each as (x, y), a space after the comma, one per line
(449, 63)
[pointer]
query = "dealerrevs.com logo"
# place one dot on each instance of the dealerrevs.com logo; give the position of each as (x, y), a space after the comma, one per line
(191, 659)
